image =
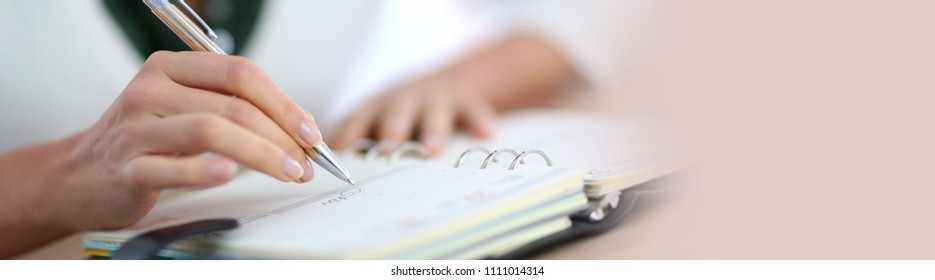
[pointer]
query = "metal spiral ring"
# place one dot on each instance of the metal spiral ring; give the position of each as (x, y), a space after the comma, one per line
(492, 157)
(359, 147)
(406, 148)
(469, 151)
(380, 147)
(519, 158)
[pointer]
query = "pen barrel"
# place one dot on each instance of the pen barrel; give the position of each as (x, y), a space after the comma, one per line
(324, 157)
(186, 29)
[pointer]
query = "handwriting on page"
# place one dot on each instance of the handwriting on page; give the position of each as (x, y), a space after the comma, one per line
(400, 203)
(341, 196)
(418, 197)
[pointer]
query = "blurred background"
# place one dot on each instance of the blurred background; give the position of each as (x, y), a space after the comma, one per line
(813, 118)
(329, 56)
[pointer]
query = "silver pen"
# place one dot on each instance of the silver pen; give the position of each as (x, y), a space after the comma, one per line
(179, 17)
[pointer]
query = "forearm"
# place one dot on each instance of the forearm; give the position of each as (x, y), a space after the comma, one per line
(27, 179)
(520, 71)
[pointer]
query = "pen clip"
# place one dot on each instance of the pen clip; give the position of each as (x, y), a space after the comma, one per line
(190, 13)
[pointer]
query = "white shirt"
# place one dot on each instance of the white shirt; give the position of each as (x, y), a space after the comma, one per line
(64, 62)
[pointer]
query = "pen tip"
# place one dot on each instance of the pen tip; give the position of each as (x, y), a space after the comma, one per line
(351, 181)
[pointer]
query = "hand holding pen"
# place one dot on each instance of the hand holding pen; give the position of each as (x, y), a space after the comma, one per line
(176, 108)
(179, 17)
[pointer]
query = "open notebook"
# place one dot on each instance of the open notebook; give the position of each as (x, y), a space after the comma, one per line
(405, 208)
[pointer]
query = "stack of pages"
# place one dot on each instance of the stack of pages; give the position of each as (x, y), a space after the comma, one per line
(415, 209)
(400, 211)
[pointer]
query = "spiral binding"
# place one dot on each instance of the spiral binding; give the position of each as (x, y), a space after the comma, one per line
(493, 156)
(469, 151)
(372, 150)
(518, 157)
(408, 148)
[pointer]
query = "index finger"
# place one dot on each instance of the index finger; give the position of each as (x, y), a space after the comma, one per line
(240, 77)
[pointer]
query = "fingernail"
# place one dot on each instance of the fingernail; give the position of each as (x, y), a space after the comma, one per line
(489, 128)
(220, 170)
(431, 142)
(309, 132)
(291, 168)
(308, 172)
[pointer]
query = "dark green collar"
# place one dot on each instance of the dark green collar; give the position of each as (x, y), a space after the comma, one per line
(148, 34)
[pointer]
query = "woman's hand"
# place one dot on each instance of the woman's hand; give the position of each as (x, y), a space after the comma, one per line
(178, 108)
(428, 110)
(520, 71)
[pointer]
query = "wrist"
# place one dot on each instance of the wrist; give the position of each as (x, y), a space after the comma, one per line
(520, 71)
(466, 81)
(49, 197)
(32, 213)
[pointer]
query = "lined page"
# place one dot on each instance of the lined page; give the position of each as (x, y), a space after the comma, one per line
(391, 205)
(400, 205)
